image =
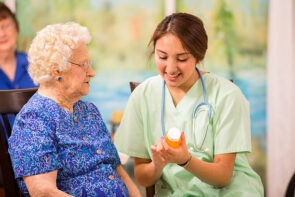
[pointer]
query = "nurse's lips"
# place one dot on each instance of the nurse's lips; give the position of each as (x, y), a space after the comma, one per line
(173, 77)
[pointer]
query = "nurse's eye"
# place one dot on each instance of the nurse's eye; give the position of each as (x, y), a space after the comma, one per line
(162, 58)
(182, 60)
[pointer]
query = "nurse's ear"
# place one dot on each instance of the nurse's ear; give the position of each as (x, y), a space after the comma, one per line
(198, 62)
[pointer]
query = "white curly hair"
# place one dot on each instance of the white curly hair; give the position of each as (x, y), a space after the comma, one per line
(52, 47)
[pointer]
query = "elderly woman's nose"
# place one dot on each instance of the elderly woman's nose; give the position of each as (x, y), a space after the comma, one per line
(90, 71)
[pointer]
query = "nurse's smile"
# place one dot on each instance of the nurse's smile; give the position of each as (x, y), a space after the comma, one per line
(172, 77)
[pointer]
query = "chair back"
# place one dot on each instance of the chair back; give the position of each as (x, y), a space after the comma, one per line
(150, 191)
(291, 187)
(11, 102)
(133, 85)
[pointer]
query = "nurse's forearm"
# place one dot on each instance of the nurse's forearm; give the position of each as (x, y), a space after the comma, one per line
(145, 171)
(218, 173)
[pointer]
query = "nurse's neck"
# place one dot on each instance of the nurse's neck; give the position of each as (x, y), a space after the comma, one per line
(178, 92)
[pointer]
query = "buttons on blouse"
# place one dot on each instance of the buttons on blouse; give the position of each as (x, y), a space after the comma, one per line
(75, 119)
(98, 152)
(111, 177)
(85, 138)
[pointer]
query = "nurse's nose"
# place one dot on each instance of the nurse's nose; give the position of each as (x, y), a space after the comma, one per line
(171, 66)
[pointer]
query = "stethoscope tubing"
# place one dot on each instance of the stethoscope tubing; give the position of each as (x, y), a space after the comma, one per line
(204, 102)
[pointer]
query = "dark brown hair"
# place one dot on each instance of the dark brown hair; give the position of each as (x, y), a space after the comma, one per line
(188, 28)
(5, 12)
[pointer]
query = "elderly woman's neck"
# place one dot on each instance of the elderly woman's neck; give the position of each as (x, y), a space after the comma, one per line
(65, 101)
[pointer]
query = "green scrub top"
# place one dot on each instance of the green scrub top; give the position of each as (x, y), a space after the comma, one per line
(228, 132)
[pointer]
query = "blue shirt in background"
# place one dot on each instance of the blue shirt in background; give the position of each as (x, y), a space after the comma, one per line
(46, 138)
(22, 78)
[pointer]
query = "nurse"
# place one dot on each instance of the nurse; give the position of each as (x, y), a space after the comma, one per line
(211, 159)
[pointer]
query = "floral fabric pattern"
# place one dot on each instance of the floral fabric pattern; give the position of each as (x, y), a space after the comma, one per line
(46, 138)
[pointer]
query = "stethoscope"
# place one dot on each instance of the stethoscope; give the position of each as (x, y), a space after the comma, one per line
(204, 102)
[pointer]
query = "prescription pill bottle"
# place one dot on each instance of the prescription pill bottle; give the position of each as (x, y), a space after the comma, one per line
(173, 137)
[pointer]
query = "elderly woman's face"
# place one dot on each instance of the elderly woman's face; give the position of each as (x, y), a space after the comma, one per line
(76, 79)
(8, 35)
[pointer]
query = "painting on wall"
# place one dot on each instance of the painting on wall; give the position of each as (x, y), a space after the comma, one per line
(121, 30)
(237, 32)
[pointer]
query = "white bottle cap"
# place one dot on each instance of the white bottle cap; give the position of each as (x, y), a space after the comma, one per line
(174, 134)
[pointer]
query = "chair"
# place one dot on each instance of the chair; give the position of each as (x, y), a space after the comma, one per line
(11, 102)
(150, 191)
(291, 187)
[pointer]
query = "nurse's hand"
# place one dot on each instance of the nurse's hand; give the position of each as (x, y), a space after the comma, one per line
(177, 155)
(162, 153)
(157, 154)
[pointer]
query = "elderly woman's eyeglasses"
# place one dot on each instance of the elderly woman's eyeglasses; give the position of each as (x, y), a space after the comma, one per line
(84, 65)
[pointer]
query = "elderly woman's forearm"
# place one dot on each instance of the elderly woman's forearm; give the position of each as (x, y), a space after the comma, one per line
(43, 185)
(45, 190)
(146, 173)
(132, 188)
(49, 193)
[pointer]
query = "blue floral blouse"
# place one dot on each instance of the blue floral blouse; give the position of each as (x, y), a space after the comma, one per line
(46, 138)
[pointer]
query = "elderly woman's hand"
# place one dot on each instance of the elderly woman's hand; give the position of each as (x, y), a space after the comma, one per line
(43, 185)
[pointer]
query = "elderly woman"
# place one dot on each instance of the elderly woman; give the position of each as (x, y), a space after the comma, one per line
(60, 145)
(13, 64)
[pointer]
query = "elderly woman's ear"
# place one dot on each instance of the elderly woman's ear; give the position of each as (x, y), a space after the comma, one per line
(56, 75)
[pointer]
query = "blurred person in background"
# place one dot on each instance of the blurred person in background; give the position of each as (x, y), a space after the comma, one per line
(13, 64)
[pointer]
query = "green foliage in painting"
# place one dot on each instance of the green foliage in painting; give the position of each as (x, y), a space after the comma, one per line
(120, 30)
(237, 32)
(225, 31)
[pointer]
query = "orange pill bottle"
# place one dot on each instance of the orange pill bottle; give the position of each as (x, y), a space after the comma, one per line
(173, 137)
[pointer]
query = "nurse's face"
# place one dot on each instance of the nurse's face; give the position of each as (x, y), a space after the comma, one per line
(175, 64)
